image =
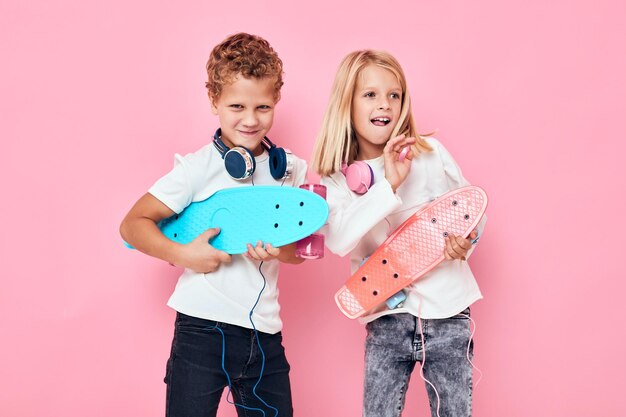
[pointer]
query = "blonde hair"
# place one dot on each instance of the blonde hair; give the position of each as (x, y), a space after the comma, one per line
(336, 141)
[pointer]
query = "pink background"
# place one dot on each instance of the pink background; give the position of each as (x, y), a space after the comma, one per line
(529, 96)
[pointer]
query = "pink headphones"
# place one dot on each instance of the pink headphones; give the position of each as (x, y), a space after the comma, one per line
(360, 176)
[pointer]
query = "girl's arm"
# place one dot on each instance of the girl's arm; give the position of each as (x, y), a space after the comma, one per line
(351, 217)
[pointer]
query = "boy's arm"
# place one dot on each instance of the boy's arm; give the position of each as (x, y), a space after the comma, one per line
(288, 254)
(139, 229)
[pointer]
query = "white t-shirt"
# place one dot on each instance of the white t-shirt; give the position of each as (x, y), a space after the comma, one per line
(229, 293)
(358, 224)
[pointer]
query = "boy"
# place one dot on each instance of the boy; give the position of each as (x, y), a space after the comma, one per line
(217, 292)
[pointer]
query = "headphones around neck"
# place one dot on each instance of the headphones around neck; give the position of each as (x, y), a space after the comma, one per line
(240, 163)
(359, 176)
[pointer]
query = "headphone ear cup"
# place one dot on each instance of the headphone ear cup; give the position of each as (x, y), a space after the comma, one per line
(239, 163)
(359, 177)
(278, 162)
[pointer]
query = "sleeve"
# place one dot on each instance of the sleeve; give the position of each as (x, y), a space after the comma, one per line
(453, 173)
(175, 189)
(479, 228)
(351, 218)
(456, 180)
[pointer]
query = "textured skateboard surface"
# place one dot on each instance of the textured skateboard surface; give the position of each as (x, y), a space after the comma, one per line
(414, 248)
(271, 214)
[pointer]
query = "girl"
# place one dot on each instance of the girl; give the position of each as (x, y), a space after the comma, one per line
(367, 125)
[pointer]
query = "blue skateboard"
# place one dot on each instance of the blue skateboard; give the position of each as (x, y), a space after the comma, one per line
(271, 214)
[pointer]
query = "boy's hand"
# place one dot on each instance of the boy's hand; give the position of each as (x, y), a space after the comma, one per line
(261, 253)
(457, 247)
(396, 170)
(200, 256)
(286, 254)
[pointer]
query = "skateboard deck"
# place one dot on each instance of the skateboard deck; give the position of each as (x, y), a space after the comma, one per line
(414, 249)
(271, 214)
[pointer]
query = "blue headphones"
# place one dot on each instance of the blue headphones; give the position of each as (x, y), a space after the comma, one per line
(240, 163)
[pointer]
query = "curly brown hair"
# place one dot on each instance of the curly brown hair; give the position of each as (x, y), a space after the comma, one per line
(245, 54)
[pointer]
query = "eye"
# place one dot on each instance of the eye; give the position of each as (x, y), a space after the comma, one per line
(236, 106)
(264, 107)
(395, 96)
(369, 94)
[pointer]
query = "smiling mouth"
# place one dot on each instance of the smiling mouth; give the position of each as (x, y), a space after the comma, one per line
(380, 121)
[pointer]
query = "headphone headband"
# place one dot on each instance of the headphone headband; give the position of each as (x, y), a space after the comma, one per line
(240, 163)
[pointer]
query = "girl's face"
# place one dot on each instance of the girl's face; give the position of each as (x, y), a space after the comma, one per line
(375, 109)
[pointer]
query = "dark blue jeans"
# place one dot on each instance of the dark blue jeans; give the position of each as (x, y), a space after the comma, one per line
(393, 346)
(195, 378)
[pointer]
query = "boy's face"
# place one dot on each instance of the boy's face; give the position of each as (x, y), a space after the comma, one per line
(246, 112)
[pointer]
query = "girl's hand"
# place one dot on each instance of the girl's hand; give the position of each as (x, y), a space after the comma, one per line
(260, 253)
(396, 171)
(199, 256)
(457, 247)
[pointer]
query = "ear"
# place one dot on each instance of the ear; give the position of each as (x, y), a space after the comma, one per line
(213, 105)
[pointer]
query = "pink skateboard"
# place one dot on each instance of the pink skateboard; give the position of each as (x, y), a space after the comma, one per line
(414, 249)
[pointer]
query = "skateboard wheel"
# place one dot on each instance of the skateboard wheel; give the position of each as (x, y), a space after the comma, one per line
(396, 300)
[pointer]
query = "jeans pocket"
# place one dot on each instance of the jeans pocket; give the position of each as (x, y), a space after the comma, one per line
(168, 370)
(195, 324)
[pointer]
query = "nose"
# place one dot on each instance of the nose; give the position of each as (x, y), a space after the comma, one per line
(383, 104)
(250, 118)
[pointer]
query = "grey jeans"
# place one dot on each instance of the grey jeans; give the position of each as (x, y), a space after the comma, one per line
(393, 346)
